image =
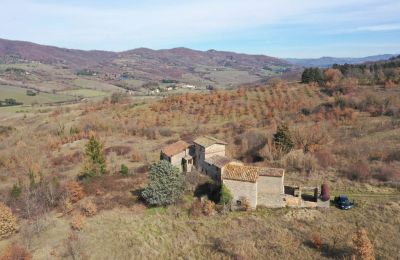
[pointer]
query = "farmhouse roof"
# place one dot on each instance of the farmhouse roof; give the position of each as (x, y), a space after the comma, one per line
(175, 148)
(249, 173)
(240, 173)
(218, 160)
(207, 141)
(272, 172)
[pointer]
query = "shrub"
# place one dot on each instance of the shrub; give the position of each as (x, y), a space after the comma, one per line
(117, 97)
(124, 170)
(316, 241)
(8, 222)
(324, 158)
(245, 204)
(16, 191)
(225, 196)
(388, 173)
(136, 156)
(208, 208)
(283, 138)
(363, 248)
(202, 207)
(196, 208)
(166, 184)
(325, 194)
(74, 191)
(95, 163)
(78, 222)
(299, 161)
(88, 208)
(359, 171)
(15, 252)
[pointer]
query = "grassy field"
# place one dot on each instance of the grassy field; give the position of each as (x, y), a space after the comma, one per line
(87, 93)
(170, 233)
(19, 94)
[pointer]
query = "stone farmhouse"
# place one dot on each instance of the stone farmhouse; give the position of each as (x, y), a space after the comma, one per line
(178, 154)
(250, 184)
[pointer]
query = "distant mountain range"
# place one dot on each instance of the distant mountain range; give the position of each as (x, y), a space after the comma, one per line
(325, 62)
(218, 68)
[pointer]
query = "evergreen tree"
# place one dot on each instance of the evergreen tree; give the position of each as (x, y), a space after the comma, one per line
(166, 184)
(312, 75)
(95, 163)
(283, 138)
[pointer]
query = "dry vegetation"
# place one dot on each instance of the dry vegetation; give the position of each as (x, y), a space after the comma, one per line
(351, 141)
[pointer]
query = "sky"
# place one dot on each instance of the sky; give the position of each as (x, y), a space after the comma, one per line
(282, 28)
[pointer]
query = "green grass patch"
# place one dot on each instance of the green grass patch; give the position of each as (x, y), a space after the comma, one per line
(19, 94)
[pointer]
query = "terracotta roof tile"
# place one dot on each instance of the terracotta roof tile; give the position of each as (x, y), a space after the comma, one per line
(175, 148)
(240, 173)
(249, 173)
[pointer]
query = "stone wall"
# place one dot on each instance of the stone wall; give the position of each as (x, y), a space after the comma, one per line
(242, 189)
(176, 160)
(270, 191)
(270, 185)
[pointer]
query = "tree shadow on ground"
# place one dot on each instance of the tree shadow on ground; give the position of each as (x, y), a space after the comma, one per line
(209, 189)
(330, 251)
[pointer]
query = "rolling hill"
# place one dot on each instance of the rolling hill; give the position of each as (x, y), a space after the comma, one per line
(325, 62)
(49, 68)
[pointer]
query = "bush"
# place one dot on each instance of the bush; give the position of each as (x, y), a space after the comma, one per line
(8, 222)
(359, 171)
(316, 241)
(225, 196)
(117, 97)
(95, 163)
(324, 158)
(16, 191)
(78, 222)
(388, 172)
(136, 156)
(124, 170)
(166, 184)
(15, 252)
(208, 208)
(202, 207)
(245, 204)
(88, 208)
(74, 191)
(196, 208)
(363, 248)
(299, 161)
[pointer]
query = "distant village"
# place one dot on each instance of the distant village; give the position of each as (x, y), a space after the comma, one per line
(255, 186)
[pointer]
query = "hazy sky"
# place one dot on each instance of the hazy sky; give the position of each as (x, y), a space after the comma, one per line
(283, 28)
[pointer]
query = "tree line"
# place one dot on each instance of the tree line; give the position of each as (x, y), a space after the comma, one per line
(382, 73)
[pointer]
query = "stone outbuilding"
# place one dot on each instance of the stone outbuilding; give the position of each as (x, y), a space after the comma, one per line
(178, 154)
(254, 185)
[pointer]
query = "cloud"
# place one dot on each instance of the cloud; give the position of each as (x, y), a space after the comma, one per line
(378, 28)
